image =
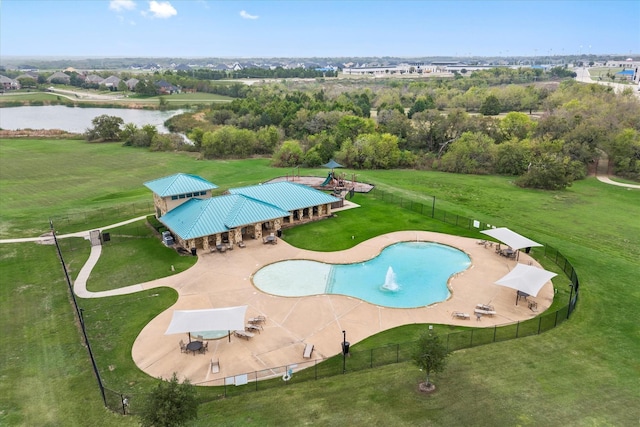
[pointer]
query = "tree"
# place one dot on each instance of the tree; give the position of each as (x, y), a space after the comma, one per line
(430, 355)
(490, 106)
(105, 128)
(289, 154)
(170, 404)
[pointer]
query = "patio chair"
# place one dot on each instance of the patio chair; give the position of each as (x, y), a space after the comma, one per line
(460, 315)
(257, 319)
(200, 338)
(205, 347)
(215, 366)
(183, 347)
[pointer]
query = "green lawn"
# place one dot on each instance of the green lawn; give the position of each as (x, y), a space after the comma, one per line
(585, 372)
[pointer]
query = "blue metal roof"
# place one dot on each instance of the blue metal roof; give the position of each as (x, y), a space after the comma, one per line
(204, 217)
(180, 183)
(286, 195)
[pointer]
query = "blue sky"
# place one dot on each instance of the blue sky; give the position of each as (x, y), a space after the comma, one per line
(202, 28)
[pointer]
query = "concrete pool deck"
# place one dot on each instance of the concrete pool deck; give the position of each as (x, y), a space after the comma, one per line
(224, 279)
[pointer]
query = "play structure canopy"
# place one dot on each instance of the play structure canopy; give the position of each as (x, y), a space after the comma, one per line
(332, 164)
(213, 319)
(526, 278)
(510, 238)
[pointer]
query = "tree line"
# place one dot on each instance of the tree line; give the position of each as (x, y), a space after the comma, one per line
(417, 126)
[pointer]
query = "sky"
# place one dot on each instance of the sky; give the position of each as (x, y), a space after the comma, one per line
(269, 29)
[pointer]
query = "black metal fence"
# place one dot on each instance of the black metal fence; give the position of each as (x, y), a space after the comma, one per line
(95, 218)
(284, 376)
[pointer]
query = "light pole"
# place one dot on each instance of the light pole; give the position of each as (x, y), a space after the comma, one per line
(345, 350)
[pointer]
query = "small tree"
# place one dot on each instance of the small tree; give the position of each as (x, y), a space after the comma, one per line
(430, 355)
(105, 128)
(491, 106)
(170, 404)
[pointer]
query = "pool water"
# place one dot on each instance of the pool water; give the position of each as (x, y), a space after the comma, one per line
(403, 275)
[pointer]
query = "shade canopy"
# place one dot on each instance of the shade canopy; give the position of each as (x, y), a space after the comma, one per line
(526, 278)
(332, 164)
(213, 319)
(510, 238)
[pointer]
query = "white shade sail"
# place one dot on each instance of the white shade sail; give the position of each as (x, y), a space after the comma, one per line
(213, 319)
(526, 278)
(510, 238)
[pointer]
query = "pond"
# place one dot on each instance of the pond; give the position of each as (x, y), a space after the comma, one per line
(76, 119)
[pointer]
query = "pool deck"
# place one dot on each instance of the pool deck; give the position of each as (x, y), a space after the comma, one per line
(224, 279)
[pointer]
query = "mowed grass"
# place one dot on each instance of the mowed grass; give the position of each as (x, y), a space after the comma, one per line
(584, 373)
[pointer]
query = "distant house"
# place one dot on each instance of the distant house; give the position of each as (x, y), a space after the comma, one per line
(9, 84)
(94, 79)
(111, 82)
(29, 79)
(59, 77)
(131, 83)
(166, 88)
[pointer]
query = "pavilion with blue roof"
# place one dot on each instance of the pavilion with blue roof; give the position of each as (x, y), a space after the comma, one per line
(185, 205)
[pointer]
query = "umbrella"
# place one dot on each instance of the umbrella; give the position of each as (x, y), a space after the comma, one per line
(526, 278)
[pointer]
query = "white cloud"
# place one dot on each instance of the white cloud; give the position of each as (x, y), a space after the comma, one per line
(162, 9)
(120, 5)
(246, 15)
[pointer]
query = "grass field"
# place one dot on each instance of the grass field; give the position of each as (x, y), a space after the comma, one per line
(584, 373)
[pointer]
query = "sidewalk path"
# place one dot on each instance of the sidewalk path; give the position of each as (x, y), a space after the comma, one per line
(606, 180)
(83, 234)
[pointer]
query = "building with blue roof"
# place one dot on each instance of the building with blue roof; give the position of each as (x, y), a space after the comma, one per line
(173, 190)
(184, 204)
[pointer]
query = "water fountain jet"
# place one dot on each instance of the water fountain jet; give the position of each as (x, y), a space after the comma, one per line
(390, 283)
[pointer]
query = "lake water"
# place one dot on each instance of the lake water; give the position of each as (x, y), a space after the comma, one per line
(77, 120)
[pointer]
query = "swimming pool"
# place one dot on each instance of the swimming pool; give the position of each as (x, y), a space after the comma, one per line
(403, 275)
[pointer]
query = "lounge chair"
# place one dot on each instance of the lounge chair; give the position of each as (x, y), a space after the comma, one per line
(308, 349)
(215, 366)
(460, 315)
(485, 307)
(257, 320)
(485, 312)
(250, 327)
(244, 334)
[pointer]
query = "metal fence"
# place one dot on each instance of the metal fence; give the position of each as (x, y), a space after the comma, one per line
(284, 376)
(94, 218)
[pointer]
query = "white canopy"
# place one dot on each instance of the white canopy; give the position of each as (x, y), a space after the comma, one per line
(510, 238)
(526, 278)
(212, 319)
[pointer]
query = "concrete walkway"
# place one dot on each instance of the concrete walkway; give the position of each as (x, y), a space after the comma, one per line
(606, 180)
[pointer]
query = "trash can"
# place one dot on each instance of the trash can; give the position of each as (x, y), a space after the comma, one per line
(345, 347)
(193, 251)
(279, 232)
(527, 250)
(106, 237)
